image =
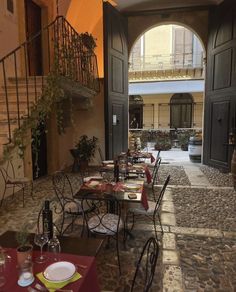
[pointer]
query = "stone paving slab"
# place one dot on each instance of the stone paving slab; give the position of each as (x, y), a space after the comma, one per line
(196, 176)
(168, 219)
(172, 280)
(168, 241)
(196, 231)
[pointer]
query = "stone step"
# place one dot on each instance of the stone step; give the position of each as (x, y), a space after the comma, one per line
(12, 105)
(30, 79)
(22, 93)
(13, 114)
(31, 86)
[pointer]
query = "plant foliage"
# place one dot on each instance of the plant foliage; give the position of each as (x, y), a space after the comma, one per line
(86, 147)
(22, 236)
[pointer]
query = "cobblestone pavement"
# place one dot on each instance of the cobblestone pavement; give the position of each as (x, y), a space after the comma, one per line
(208, 264)
(178, 175)
(198, 248)
(203, 230)
(216, 177)
(205, 208)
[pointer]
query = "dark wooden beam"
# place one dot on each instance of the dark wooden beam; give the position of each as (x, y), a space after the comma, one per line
(165, 11)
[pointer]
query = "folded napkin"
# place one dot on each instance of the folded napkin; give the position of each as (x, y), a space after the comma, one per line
(52, 286)
(148, 175)
(152, 158)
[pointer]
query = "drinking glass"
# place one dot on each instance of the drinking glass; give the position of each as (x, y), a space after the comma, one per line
(55, 248)
(41, 239)
(2, 266)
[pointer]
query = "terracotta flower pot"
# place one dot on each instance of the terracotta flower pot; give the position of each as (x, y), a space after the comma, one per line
(23, 253)
(83, 165)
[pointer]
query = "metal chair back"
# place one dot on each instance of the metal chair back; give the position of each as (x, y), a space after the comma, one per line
(161, 195)
(146, 265)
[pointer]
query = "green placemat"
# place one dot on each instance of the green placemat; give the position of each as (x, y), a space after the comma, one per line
(51, 286)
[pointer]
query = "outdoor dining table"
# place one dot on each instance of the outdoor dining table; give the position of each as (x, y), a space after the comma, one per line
(136, 155)
(120, 190)
(71, 249)
(86, 269)
(129, 170)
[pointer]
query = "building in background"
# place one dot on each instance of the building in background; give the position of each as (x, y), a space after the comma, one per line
(166, 76)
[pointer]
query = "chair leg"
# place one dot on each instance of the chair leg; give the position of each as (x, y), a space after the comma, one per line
(3, 196)
(23, 196)
(117, 250)
(32, 190)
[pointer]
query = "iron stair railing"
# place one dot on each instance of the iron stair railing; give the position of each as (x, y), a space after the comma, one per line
(20, 78)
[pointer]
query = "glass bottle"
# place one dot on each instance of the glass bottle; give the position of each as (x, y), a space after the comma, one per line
(2, 266)
(47, 220)
(116, 171)
(54, 245)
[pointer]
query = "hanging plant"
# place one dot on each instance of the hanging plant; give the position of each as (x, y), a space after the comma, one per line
(52, 97)
(88, 41)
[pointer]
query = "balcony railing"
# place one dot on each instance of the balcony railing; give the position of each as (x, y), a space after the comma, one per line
(165, 62)
(22, 71)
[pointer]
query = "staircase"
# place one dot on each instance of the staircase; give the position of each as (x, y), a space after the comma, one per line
(20, 100)
(19, 90)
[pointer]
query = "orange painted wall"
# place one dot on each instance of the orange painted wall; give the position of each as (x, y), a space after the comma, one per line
(84, 16)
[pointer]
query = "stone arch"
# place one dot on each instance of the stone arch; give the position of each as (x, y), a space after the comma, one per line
(196, 21)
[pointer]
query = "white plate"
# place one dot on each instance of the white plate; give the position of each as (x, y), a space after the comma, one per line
(130, 186)
(59, 272)
(88, 178)
(93, 183)
(108, 162)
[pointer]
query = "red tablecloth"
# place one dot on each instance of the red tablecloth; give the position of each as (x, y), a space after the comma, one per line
(88, 282)
(120, 186)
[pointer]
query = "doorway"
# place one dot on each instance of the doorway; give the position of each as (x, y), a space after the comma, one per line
(39, 152)
(33, 23)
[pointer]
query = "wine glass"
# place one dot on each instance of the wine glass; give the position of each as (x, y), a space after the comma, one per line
(2, 265)
(41, 239)
(54, 246)
(8, 258)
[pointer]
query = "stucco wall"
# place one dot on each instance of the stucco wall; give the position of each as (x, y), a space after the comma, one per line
(194, 20)
(9, 34)
(87, 16)
(85, 121)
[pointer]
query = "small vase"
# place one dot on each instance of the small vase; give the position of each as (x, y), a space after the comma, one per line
(24, 253)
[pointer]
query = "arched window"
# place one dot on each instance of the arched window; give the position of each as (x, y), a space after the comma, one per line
(181, 107)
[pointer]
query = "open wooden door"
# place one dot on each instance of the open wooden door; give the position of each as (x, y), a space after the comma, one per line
(33, 26)
(220, 85)
(115, 81)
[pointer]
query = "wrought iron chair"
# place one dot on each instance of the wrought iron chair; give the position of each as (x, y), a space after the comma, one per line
(68, 205)
(103, 161)
(155, 176)
(152, 212)
(105, 218)
(12, 182)
(146, 265)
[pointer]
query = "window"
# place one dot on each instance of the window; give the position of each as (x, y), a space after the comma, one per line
(183, 47)
(10, 6)
(135, 112)
(181, 105)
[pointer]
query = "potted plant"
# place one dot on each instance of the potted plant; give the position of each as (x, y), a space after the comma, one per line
(88, 40)
(24, 249)
(84, 150)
